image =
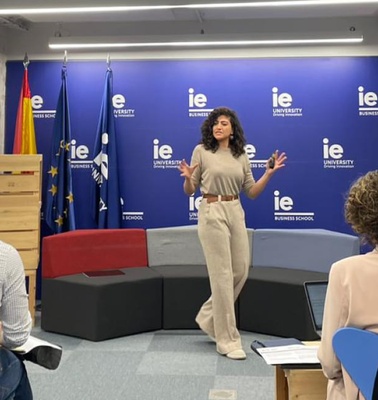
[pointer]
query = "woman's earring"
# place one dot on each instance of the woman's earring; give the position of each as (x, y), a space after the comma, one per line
(232, 137)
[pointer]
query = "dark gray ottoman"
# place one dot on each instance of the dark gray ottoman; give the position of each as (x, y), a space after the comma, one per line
(273, 301)
(185, 289)
(104, 307)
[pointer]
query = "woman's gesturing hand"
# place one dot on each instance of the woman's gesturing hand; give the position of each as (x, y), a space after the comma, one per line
(276, 161)
(186, 170)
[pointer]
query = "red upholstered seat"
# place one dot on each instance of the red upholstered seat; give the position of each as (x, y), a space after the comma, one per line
(92, 250)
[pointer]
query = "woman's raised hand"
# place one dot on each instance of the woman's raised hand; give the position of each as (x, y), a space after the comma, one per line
(279, 161)
(186, 170)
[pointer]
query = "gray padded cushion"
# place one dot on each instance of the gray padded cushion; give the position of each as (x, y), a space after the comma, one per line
(304, 249)
(176, 246)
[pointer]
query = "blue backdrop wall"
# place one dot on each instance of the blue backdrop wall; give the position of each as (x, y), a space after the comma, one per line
(321, 111)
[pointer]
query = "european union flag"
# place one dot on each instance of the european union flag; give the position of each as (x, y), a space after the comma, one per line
(106, 199)
(60, 212)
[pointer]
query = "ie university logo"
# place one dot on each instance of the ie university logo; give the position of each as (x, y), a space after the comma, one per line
(333, 156)
(284, 210)
(162, 156)
(367, 103)
(284, 105)
(198, 104)
(194, 203)
(251, 151)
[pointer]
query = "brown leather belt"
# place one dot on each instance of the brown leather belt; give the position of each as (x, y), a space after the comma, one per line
(213, 197)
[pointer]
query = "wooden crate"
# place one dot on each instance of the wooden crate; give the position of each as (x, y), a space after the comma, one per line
(20, 212)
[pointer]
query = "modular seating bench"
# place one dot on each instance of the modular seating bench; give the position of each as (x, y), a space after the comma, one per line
(273, 299)
(164, 281)
(99, 307)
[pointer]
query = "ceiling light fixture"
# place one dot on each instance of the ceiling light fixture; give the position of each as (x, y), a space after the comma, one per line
(62, 44)
(258, 4)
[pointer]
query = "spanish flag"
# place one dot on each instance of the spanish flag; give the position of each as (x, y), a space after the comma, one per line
(24, 136)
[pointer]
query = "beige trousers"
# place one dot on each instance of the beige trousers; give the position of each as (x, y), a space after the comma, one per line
(224, 239)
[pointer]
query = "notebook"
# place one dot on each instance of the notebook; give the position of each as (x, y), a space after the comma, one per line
(316, 293)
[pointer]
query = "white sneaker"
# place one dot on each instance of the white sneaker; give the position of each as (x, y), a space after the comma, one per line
(238, 354)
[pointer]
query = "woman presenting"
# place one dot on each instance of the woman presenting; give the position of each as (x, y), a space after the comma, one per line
(220, 168)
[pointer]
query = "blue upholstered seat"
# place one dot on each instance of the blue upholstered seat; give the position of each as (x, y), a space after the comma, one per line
(357, 351)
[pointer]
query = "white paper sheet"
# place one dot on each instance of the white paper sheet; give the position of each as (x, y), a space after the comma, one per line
(32, 343)
(293, 354)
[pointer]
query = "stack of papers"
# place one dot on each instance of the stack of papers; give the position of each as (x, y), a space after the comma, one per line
(292, 354)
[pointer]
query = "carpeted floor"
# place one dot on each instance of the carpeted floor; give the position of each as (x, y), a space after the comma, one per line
(160, 365)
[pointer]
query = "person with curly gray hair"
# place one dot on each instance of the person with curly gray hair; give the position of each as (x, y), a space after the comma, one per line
(221, 169)
(352, 295)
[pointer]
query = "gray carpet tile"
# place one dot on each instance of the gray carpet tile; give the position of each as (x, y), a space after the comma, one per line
(167, 387)
(161, 365)
(189, 341)
(248, 387)
(252, 366)
(175, 363)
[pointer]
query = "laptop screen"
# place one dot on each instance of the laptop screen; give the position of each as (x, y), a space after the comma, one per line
(316, 293)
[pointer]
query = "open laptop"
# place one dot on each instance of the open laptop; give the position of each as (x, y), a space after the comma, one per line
(316, 293)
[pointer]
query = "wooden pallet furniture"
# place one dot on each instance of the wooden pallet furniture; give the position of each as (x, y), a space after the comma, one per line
(20, 209)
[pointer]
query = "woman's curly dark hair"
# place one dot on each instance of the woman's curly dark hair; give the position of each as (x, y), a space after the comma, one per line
(208, 140)
(361, 207)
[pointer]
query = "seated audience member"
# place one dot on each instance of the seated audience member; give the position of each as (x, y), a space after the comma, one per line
(15, 325)
(352, 295)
